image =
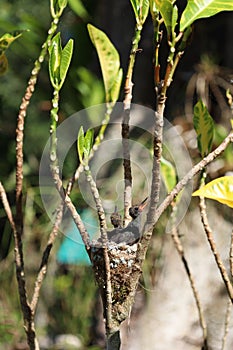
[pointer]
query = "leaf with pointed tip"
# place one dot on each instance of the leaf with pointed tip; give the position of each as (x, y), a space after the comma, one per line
(144, 10)
(66, 56)
(80, 144)
(165, 7)
(55, 53)
(153, 9)
(174, 20)
(197, 9)
(204, 127)
(135, 5)
(88, 143)
(57, 7)
(109, 61)
(220, 189)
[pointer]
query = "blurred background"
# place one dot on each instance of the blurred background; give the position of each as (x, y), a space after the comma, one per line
(69, 299)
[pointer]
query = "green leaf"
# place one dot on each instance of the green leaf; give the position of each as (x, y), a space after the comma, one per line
(66, 56)
(8, 38)
(141, 10)
(153, 9)
(165, 7)
(109, 61)
(80, 144)
(78, 8)
(57, 7)
(197, 9)
(174, 20)
(59, 61)
(116, 86)
(136, 5)
(204, 127)
(144, 10)
(220, 189)
(168, 173)
(3, 64)
(55, 53)
(88, 143)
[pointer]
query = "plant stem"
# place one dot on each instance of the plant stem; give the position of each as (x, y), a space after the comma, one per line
(180, 250)
(20, 124)
(125, 125)
(213, 247)
(189, 176)
(20, 275)
(226, 323)
(55, 172)
(103, 231)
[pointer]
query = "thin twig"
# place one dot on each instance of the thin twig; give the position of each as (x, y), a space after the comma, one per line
(180, 250)
(126, 165)
(190, 175)
(125, 125)
(20, 124)
(213, 247)
(226, 323)
(20, 275)
(44, 262)
(148, 227)
(98, 203)
(103, 231)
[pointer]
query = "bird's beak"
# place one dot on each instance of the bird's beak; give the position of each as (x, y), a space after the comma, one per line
(143, 204)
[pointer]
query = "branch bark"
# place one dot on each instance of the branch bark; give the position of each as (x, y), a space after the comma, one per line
(214, 250)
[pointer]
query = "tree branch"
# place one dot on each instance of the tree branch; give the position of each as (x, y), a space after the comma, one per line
(213, 247)
(20, 275)
(20, 124)
(180, 250)
(189, 176)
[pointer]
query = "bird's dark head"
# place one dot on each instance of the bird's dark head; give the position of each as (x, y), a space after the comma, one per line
(136, 210)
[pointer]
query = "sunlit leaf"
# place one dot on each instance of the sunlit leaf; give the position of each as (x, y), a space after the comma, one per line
(165, 7)
(109, 60)
(153, 9)
(144, 10)
(116, 86)
(55, 52)
(174, 19)
(168, 173)
(65, 60)
(204, 127)
(80, 144)
(197, 9)
(88, 142)
(220, 189)
(57, 7)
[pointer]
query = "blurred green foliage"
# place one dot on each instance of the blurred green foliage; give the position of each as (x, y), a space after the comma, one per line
(73, 291)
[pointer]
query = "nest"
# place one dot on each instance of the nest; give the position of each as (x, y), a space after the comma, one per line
(123, 266)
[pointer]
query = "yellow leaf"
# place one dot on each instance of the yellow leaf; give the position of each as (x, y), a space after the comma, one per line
(220, 189)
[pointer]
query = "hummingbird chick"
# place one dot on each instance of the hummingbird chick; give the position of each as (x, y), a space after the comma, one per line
(116, 219)
(131, 233)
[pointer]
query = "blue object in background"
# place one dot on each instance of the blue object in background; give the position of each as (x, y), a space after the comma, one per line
(72, 250)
